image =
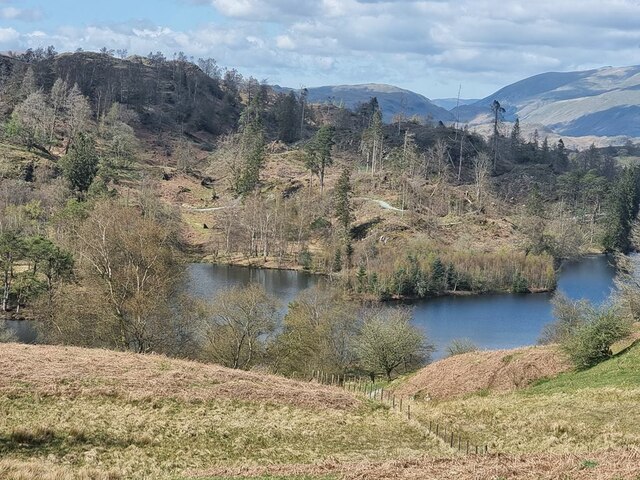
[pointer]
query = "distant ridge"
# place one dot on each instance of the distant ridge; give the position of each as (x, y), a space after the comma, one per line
(600, 102)
(392, 100)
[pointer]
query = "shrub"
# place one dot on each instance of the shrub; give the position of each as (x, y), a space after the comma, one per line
(458, 346)
(570, 315)
(591, 342)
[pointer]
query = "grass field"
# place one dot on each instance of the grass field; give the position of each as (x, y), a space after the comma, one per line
(89, 412)
(573, 412)
(93, 414)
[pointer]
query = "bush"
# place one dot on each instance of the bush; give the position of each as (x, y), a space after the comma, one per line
(591, 342)
(570, 316)
(458, 346)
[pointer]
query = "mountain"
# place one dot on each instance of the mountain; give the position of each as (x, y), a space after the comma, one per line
(601, 102)
(392, 100)
(451, 103)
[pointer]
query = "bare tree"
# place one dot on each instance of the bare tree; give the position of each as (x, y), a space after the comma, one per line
(481, 169)
(240, 322)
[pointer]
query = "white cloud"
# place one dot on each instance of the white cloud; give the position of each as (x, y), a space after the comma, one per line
(8, 35)
(431, 46)
(25, 14)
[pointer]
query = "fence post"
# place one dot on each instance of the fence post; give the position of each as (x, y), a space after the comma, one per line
(467, 447)
(408, 411)
(451, 441)
(394, 401)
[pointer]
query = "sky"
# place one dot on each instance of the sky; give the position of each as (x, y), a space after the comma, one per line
(432, 47)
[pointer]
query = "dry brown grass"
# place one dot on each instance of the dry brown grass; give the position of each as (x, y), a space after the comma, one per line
(499, 370)
(77, 372)
(613, 464)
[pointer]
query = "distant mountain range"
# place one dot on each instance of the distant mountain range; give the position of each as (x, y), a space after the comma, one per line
(604, 102)
(392, 100)
(601, 102)
(451, 103)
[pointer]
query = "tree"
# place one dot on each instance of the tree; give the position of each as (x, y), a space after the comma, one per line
(497, 110)
(481, 170)
(78, 115)
(342, 200)
(240, 323)
(516, 140)
(127, 295)
(251, 140)
(319, 332)
(30, 121)
(12, 249)
(55, 263)
(210, 68)
(58, 100)
(388, 341)
(319, 152)
(287, 114)
(591, 342)
(80, 165)
(622, 207)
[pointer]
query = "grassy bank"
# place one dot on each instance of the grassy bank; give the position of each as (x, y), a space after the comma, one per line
(94, 413)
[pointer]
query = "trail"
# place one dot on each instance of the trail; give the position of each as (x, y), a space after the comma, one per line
(382, 204)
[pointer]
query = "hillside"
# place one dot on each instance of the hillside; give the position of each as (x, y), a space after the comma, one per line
(78, 413)
(498, 370)
(603, 102)
(392, 100)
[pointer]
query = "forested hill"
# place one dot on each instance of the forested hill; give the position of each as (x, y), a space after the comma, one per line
(164, 93)
(199, 160)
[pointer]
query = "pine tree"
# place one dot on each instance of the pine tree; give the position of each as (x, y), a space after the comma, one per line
(319, 152)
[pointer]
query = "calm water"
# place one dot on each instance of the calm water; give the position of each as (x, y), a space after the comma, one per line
(490, 321)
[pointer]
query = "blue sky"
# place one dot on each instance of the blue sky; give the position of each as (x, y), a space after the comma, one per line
(429, 46)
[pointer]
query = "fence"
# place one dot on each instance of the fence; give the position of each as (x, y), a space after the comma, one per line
(456, 440)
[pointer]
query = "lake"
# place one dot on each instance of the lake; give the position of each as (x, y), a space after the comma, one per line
(490, 321)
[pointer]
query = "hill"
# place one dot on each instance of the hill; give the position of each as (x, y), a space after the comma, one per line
(601, 102)
(80, 413)
(497, 370)
(451, 103)
(392, 100)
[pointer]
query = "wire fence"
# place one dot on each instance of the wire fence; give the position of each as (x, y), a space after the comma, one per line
(403, 405)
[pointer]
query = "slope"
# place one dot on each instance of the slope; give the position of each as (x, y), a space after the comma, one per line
(601, 102)
(79, 413)
(392, 100)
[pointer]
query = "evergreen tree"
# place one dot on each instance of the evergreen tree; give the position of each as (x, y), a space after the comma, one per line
(287, 113)
(80, 165)
(252, 146)
(319, 152)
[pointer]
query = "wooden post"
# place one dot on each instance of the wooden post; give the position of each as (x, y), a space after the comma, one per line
(332, 379)
(451, 441)
(459, 443)
(400, 404)
(476, 449)
(382, 394)
(408, 412)
(437, 429)
(467, 447)
(394, 401)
